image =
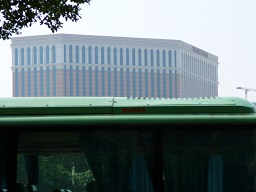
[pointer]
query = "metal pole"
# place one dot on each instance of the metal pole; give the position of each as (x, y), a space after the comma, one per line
(246, 94)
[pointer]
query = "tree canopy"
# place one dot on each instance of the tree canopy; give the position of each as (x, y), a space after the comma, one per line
(17, 14)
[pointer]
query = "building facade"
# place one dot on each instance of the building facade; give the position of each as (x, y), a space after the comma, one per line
(85, 65)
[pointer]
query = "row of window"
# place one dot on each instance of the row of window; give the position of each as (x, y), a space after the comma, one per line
(119, 56)
(26, 90)
(199, 67)
(101, 82)
(196, 87)
(35, 55)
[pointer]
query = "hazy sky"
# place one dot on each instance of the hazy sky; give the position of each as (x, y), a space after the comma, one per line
(225, 28)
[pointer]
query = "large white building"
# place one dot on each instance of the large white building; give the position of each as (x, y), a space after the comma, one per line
(85, 65)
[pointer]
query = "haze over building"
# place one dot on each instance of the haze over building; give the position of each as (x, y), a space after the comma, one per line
(85, 65)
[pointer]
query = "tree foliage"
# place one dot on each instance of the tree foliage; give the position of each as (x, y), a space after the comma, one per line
(55, 171)
(17, 14)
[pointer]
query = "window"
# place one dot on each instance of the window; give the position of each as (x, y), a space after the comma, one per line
(16, 57)
(146, 83)
(77, 81)
(158, 84)
(96, 82)
(127, 56)
(134, 82)
(102, 81)
(83, 54)
(41, 55)
(70, 54)
(140, 83)
(133, 57)
(65, 54)
(41, 81)
(170, 58)
(139, 57)
(96, 55)
(90, 81)
(47, 54)
(77, 54)
(158, 58)
(121, 56)
(109, 81)
(35, 55)
(170, 84)
(152, 57)
(48, 81)
(145, 57)
(54, 80)
(16, 83)
(102, 55)
(109, 55)
(35, 81)
(29, 82)
(22, 56)
(22, 82)
(53, 54)
(127, 82)
(115, 82)
(84, 81)
(90, 54)
(122, 82)
(28, 56)
(115, 56)
(70, 81)
(164, 58)
(164, 83)
(152, 83)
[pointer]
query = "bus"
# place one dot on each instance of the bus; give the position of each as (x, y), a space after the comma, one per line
(116, 144)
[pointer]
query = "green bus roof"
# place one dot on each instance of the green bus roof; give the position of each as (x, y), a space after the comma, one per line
(121, 105)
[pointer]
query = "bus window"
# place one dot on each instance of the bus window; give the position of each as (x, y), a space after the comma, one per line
(143, 160)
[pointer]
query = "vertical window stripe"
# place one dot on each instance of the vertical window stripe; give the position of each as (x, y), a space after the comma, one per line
(77, 81)
(48, 81)
(152, 83)
(83, 54)
(134, 82)
(140, 83)
(96, 54)
(96, 82)
(84, 82)
(146, 82)
(47, 54)
(103, 81)
(127, 82)
(170, 83)
(41, 81)
(54, 80)
(16, 83)
(70, 54)
(115, 82)
(70, 80)
(22, 56)
(22, 82)
(41, 55)
(28, 56)
(77, 54)
(35, 81)
(16, 57)
(122, 82)
(29, 82)
(90, 81)
(109, 81)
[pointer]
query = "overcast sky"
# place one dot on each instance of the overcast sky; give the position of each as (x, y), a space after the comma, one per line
(225, 28)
